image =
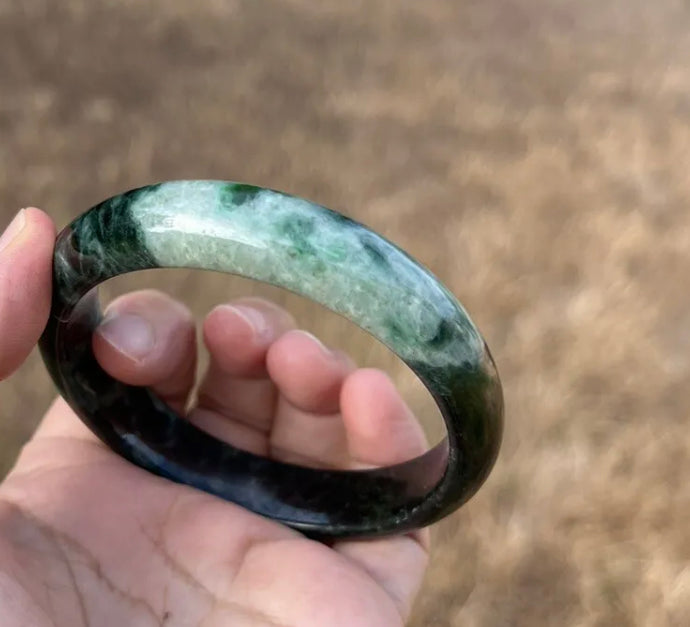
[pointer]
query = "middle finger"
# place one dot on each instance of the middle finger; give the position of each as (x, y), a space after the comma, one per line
(237, 398)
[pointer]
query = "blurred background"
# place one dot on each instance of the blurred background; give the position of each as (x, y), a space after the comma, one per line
(534, 154)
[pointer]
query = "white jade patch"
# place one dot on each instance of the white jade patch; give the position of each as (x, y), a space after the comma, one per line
(297, 245)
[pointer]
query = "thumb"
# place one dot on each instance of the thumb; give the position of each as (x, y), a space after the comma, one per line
(26, 260)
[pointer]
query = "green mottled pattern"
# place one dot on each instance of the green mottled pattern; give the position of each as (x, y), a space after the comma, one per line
(310, 250)
(275, 238)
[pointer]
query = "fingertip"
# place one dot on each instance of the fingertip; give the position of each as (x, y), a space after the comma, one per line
(41, 221)
(308, 374)
(381, 429)
(238, 334)
(29, 235)
(237, 339)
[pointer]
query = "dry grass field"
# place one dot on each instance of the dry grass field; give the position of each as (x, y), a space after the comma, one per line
(534, 154)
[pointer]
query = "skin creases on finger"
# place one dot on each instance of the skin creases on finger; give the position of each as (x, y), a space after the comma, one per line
(308, 428)
(237, 398)
(308, 439)
(257, 391)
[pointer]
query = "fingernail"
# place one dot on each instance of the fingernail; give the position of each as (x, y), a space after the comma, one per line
(254, 319)
(317, 341)
(15, 228)
(129, 334)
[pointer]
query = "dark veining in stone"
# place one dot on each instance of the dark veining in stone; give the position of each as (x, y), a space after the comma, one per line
(240, 193)
(372, 249)
(299, 231)
(103, 243)
(443, 335)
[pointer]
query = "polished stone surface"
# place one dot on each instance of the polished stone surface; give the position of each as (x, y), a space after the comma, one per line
(293, 243)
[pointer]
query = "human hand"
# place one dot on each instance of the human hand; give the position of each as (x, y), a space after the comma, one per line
(86, 538)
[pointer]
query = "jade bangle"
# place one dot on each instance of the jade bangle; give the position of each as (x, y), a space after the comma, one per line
(318, 253)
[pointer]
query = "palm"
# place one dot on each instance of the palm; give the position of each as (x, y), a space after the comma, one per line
(97, 541)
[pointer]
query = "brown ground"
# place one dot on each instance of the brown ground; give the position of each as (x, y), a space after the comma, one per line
(534, 154)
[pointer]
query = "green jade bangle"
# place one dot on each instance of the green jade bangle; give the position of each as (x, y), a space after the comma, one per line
(318, 253)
